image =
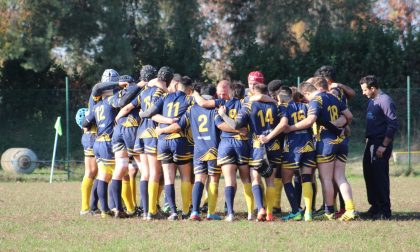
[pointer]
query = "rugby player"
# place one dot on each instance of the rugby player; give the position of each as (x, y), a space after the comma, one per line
(203, 123)
(298, 154)
(331, 152)
(233, 150)
(173, 149)
(267, 116)
(104, 115)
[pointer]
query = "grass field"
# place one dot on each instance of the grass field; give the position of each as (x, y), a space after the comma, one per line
(42, 216)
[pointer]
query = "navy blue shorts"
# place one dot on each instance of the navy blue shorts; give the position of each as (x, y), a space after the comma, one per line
(124, 138)
(328, 149)
(176, 151)
(272, 149)
(102, 149)
(233, 151)
(88, 139)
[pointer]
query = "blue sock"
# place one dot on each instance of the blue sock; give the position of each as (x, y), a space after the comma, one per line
(144, 192)
(257, 191)
(291, 196)
(116, 189)
(111, 201)
(103, 195)
(298, 188)
(170, 194)
(229, 197)
(197, 193)
(94, 196)
(329, 209)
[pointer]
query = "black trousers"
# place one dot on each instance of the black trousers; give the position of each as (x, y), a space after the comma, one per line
(376, 173)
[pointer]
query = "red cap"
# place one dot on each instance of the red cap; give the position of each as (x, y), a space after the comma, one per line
(256, 76)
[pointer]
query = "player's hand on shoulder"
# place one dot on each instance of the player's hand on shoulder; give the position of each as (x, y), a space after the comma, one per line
(123, 84)
(221, 110)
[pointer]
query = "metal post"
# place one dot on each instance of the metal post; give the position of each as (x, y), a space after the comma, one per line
(298, 81)
(67, 129)
(408, 126)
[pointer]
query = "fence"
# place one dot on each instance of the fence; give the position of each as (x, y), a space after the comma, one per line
(27, 119)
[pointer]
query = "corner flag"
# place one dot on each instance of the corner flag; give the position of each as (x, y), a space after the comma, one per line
(58, 131)
(57, 126)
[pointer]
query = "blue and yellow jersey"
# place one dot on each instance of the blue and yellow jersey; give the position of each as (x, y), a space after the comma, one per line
(327, 107)
(339, 93)
(232, 109)
(262, 117)
(203, 123)
(148, 97)
(174, 105)
(132, 119)
(297, 141)
(104, 114)
(91, 104)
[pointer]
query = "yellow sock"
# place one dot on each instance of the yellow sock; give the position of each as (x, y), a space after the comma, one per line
(307, 193)
(212, 197)
(186, 193)
(160, 190)
(133, 188)
(126, 196)
(270, 197)
(249, 197)
(278, 185)
(264, 193)
(349, 205)
(153, 188)
(86, 189)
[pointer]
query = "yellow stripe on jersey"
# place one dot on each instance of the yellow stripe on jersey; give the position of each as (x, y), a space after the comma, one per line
(275, 146)
(308, 147)
(148, 133)
(103, 138)
(209, 155)
(325, 159)
(174, 136)
(130, 122)
(338, 140)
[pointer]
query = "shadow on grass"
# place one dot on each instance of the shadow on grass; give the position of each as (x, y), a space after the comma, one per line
(397, 216)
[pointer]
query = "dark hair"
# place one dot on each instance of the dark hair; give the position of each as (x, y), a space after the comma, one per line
(261, 88)
(165, 74)
(320, 82)
(274, 85)
(186, 81)
(307, 87)
(297, 96)
(238, 89)
(177, 77)
(285, 93)
(148, 73)
(370, 81)
(208, 89)
(327, 72)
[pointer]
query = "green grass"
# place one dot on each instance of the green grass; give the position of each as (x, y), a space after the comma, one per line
(42, 216)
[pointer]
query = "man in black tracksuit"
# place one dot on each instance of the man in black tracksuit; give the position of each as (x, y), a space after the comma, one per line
(381, 125)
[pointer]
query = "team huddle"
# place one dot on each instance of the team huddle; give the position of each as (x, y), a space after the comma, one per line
(275, 136)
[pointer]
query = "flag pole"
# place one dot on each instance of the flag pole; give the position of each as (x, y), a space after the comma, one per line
(58, 131)
(53, 157)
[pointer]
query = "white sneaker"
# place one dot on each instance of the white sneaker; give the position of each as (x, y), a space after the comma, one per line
(229, 218)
